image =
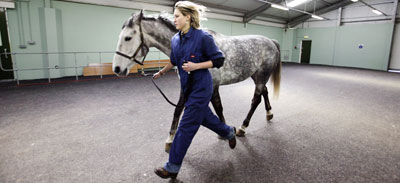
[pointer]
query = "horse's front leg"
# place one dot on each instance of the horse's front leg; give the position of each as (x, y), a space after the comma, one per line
(175, 121)
(217, 104)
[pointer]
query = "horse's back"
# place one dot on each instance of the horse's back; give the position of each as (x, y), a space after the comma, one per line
(245, 55)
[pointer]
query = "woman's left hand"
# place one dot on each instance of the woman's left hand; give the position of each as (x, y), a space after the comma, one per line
(189, 66)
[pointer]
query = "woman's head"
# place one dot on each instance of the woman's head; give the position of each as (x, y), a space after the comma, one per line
(188, 14)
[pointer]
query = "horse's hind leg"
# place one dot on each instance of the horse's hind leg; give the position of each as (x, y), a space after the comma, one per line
(256, 100)
(217, 104)
(268, 108)
(177, 114)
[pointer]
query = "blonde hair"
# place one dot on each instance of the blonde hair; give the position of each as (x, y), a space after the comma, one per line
(196, 12)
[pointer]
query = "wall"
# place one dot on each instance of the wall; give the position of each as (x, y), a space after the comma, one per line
(338, 45)
(395, 57)
(74, 27)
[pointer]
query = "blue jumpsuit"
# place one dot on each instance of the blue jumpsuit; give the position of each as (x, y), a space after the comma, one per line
(195, 46)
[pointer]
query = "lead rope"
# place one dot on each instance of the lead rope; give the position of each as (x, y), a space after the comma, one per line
(162, 93)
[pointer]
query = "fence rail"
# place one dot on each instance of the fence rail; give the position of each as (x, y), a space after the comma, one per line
(15, 68)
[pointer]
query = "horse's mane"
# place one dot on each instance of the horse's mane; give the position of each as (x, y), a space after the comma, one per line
(164, 20)
(161, 18)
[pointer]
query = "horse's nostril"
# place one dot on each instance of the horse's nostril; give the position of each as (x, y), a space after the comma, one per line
(124, 72)
(117, 69)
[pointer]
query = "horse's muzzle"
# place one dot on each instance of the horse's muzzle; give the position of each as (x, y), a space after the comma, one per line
(117, 70)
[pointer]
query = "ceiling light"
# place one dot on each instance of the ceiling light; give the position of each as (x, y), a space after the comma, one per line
(279, 7)
(295, 3)
(354, 0)
(317, 17)
(377, 12)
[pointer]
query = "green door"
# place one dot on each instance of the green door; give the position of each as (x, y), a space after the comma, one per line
(305, 51)
(5, 47)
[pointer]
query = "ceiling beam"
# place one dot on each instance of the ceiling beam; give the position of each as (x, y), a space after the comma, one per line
(320, 11)
(366, 4)
(210, 5)
(252, 14)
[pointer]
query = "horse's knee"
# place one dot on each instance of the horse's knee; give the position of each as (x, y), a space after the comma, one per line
(256, 99)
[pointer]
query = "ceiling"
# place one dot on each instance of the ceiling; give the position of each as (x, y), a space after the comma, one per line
(258, 10)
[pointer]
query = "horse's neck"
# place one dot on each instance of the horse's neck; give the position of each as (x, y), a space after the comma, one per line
(159, 36)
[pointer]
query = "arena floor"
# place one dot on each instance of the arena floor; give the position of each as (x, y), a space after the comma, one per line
(330, 124)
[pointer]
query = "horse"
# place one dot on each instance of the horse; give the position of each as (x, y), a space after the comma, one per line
(246, 56)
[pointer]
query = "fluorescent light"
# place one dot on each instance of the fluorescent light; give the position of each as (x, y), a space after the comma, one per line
(317, 17)
(295, 3)
(377, 12)
(396, 71)
(279, 7)
(354, 0)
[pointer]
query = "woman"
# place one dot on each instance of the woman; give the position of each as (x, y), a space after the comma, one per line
(193, 51)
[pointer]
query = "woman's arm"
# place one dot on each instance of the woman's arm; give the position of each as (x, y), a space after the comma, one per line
(163, 71)
(191, 66)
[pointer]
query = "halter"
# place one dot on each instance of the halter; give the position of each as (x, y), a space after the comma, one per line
(132, 58)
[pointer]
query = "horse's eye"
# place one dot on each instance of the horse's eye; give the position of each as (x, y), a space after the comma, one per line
(128, 38)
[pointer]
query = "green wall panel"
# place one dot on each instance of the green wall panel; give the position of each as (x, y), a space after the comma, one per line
(238, 29)
(287, 45)
(270, 32)
(374, 38)
(322, 46)
(338, 46)
(296, 46)
(220, 26)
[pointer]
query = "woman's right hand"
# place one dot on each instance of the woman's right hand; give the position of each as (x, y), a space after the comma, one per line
(157, 75)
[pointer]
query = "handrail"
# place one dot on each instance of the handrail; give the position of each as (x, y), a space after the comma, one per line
(16, 69)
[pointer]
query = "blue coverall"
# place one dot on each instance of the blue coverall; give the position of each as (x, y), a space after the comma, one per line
(194, 46)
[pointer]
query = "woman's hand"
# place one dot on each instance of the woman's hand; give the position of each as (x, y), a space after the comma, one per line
(157, 75)
(189, 66)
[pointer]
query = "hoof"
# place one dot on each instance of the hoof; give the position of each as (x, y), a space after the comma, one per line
(269, 117)
(240, 133)
(167, 147)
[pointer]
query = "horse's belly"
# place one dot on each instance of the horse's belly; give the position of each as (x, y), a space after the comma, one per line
(236, 75)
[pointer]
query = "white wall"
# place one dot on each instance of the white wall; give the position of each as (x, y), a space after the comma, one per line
(395, 59)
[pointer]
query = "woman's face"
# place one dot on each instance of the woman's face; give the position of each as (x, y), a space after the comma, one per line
(180, 20)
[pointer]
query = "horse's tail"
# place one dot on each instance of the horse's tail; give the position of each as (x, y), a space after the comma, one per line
(276, 75)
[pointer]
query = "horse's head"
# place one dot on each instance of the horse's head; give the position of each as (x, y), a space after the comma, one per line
(131, 47)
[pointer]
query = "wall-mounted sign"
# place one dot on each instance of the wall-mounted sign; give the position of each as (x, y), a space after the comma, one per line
(305, 37)
(5, 4)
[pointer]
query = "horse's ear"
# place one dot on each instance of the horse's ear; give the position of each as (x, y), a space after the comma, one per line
(138, 16)
(141, 13)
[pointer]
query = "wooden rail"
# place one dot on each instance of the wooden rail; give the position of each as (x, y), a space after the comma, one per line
(95, 69)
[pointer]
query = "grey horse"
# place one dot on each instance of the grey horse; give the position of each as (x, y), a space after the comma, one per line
(246, 56)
